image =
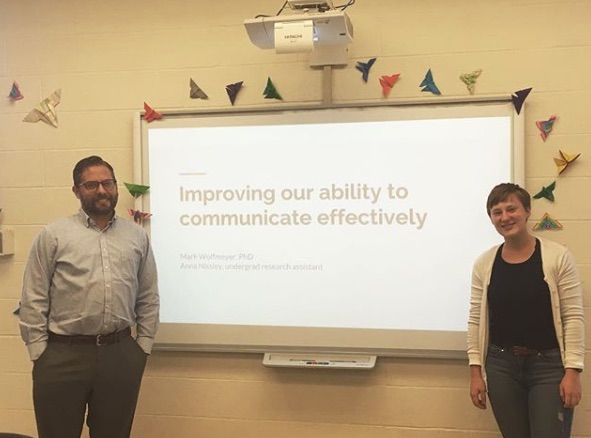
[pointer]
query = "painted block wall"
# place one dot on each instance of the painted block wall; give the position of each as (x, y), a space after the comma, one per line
(109, 57)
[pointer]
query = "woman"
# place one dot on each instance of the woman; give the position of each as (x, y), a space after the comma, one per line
(525, 330)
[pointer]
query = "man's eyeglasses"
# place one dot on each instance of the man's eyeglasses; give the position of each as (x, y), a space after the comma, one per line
(108, 184)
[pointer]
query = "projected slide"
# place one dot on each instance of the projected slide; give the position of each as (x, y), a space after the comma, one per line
(370, 224)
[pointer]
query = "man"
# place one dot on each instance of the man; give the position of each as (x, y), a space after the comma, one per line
(89, 279)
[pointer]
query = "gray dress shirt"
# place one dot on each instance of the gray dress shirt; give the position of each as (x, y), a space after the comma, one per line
(81, 280)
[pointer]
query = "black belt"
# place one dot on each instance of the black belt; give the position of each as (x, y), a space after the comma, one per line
(98, 340)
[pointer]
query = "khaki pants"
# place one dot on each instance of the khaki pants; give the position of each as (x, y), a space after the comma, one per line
(69, 378)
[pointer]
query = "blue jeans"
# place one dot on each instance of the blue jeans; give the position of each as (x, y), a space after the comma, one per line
(525, 396)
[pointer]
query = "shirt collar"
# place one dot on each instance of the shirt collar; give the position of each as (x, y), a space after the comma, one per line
(89, 222)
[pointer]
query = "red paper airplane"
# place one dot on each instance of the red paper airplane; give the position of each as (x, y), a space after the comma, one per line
(387, 82)
(150, 114)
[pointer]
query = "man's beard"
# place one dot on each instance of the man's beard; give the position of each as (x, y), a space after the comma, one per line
(93, 206)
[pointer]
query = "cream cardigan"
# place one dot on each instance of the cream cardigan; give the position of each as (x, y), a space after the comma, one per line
(566, 296)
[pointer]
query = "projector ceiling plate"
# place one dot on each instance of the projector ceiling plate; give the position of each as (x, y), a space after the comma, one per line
(310, 4)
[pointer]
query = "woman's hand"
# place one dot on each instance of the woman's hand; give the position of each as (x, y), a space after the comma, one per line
(570, 388)
(477, 387)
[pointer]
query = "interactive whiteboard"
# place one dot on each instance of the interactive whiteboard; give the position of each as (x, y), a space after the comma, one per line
(343, 229)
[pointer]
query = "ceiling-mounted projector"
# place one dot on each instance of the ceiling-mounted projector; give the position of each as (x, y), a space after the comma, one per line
(330, 28)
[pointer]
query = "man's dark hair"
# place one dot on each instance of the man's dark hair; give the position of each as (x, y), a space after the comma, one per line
(85, 163)
(502, 191)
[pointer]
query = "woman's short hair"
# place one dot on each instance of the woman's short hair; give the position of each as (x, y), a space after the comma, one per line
(501, 192)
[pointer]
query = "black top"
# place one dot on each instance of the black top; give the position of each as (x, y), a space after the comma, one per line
(520, 309)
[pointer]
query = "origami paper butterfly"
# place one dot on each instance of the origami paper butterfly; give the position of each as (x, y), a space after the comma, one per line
(428, 84)
(519, 98)
(545, 126)
(136, 190)
(196, 92)
(564, 161)
(15, 92)
(139, 216)
(270, 91)
(470, 79)
(151, 114)
(547, 223)
(45, 111)
(546, 192)
(233, 90)
(364, 68)
(387, 83)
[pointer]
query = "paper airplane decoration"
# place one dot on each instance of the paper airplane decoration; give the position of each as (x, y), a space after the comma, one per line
(45, 111)
(136, 190)
(139, 216)
(151, 114)
(519, 98)
(470, 79)
(387, 83)
(196, 91)
(547, 223)
(233, 90)
(545, 127)
(428, 84)
(270, 91)
(546, 192)
(364, 68)
(564, 161)
(15, 92)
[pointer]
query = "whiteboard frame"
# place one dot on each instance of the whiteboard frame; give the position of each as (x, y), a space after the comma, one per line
(265, 339)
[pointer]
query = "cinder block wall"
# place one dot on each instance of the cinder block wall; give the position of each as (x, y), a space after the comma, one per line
(109, 57)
